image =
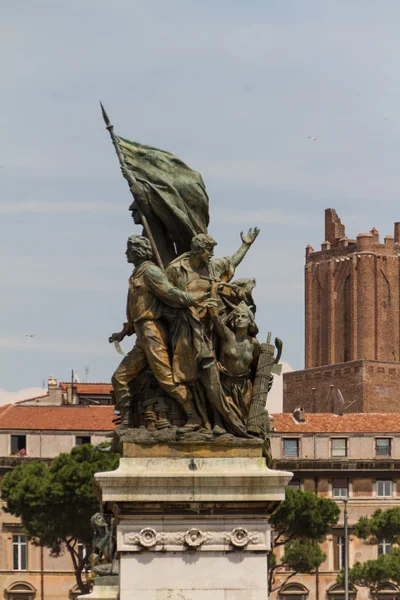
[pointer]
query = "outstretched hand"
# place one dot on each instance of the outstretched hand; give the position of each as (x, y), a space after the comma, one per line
(250, 237)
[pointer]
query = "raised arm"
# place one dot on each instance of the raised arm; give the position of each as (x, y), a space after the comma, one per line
(244, 248)
(222, 330)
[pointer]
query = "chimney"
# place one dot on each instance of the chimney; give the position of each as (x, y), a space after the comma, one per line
(55, 394)
(52, 384)
(71, 394)
(397, 233)
(299, 414)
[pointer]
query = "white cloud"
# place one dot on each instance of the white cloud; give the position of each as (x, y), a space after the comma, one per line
(7, 397)
(275, 397)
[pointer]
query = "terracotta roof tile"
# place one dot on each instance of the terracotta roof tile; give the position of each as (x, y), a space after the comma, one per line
(57, 418)
(328, 422)
(88, 388)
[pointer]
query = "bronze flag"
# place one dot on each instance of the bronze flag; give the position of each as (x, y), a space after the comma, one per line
(176, 194)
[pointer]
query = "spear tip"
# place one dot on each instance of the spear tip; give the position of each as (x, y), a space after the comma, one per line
(105, 116)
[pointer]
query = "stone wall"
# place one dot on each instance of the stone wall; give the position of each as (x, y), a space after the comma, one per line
(366, 386)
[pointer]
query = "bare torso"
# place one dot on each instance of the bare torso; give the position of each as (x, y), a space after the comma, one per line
(236, 353)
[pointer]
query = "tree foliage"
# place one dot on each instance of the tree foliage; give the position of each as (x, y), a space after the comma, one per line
(55, 502)
(300, 524)
(375, 573)
(303, 556)
(383, 524)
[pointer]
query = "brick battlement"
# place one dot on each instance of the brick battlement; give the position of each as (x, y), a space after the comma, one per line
(352, 323)
(336, 243)
(352, 297)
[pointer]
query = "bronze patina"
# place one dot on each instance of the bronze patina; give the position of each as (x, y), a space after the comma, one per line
(196, 370)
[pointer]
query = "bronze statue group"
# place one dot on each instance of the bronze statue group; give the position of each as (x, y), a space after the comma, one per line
(196, 345)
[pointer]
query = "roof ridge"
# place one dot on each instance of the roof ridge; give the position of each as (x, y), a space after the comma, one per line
(30, 399)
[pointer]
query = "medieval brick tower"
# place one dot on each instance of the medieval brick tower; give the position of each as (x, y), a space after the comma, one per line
(352, 324)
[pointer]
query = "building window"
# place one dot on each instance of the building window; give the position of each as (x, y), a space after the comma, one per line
(384, 547)
(18, 444)
(336, 592)
(339, 447)
(293, 591)
(340, 488)
(19, 552)
(383, 447)
(294, 484)
(339, 550)
(82, 439)
(383, 488)
(291, 447)
(20, 591)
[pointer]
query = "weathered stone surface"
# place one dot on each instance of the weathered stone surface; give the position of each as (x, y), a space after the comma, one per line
(191, 449)
(197, 479)
(194, 576)
(102, 592)
(172, 435)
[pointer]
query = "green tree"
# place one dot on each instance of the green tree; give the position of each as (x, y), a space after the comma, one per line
(55, 502)
(373, 574)
(300, 524)
(383, 524)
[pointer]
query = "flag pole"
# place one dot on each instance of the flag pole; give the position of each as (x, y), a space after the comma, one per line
(122, 162)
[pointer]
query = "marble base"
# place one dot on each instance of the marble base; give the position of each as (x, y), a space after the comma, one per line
(102, 592)
(192, 523)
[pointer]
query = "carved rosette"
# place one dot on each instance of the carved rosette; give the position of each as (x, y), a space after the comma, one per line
(240, 537)
(193, 538)
(147, 538)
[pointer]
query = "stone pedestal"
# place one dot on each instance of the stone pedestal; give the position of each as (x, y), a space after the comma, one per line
(192, 520)
(102, 592)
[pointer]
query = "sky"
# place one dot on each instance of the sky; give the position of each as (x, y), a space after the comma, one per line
(237, 90)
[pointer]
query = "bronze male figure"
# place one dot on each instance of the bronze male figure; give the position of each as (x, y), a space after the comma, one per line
(149, 290)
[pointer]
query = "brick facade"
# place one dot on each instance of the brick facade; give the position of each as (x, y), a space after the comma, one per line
(364, 385)
(352, 324)
(352, 474)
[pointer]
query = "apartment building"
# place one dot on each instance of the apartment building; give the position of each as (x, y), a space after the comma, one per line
(354, 456)
(40, 429)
